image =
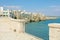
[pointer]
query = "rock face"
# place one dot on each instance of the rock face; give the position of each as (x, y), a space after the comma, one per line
(54, 31)
(11, 29)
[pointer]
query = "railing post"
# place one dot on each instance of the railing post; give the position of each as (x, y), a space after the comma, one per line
(20, 28)
(54, 31)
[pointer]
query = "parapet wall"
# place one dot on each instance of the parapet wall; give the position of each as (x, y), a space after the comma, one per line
(14, 29)
(20, 24)
(12, 25)
(54, 31)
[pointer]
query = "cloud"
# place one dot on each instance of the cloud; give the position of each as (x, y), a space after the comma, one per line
(54, 8)
(51, 10)
(13, 7)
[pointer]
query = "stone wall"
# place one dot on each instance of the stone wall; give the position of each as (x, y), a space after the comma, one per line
(14, 29)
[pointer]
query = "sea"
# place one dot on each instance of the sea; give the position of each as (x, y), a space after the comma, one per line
(40, 29)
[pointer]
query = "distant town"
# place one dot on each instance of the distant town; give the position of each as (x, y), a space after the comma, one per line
(22, 14)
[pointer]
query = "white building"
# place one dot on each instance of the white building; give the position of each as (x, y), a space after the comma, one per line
(4, 12)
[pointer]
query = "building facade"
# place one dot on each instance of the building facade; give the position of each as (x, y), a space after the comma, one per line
(4, 12)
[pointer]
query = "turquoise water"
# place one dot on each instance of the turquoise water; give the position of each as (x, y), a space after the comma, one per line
(40, 29)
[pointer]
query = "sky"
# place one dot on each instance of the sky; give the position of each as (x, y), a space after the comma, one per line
(46, 7)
